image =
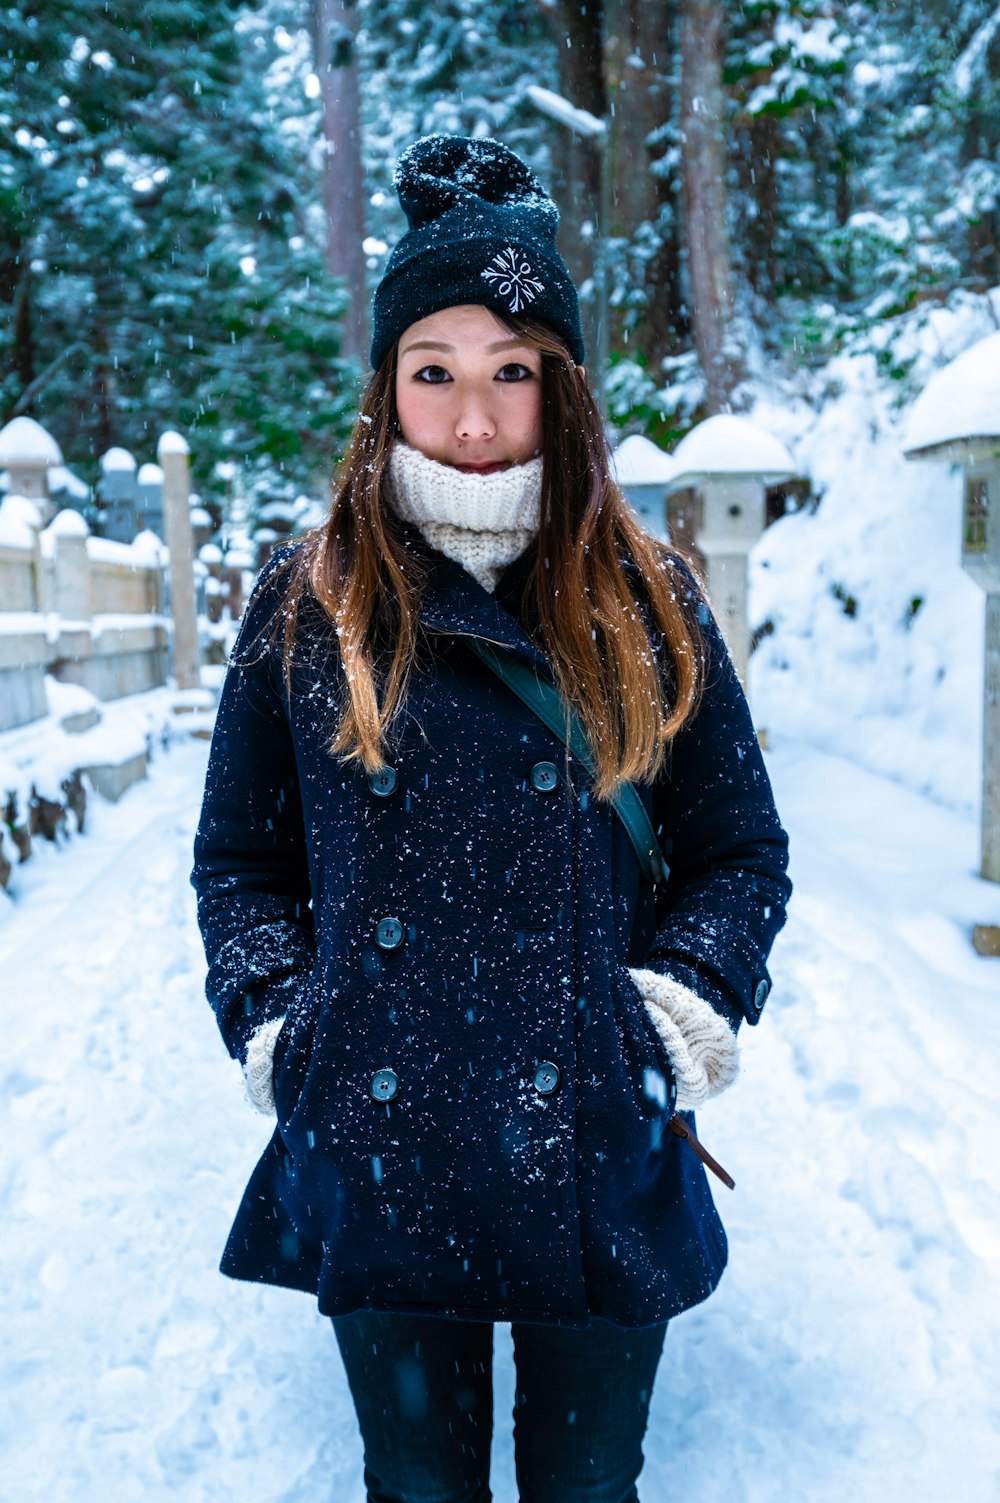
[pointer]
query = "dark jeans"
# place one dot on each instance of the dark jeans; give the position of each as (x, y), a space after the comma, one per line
(423, 1390)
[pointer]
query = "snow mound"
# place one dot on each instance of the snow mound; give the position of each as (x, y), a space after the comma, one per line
(68, 699)
(20, 519)
(638, 461)
(68, 524)
(730, 445)
(62, 480)
(171, 443)
(962, 401)
(23, 441)
(872, 642)
(117, 459)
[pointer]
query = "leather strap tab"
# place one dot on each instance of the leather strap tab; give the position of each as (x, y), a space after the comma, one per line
(681, 1129)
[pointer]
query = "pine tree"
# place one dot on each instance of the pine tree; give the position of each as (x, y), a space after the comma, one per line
(157, 256)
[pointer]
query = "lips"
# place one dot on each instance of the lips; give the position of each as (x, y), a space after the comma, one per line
(482, 469)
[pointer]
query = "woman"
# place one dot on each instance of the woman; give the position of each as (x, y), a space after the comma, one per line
(431, 941)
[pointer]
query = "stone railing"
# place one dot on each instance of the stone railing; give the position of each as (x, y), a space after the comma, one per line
(87, 611)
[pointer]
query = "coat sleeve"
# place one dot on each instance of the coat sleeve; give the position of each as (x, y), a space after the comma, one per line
(251, 870)
(719, 913)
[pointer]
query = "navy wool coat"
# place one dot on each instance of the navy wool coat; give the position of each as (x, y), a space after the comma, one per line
(472, 1102)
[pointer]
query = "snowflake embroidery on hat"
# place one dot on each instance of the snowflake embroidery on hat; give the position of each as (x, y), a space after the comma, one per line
(512, 275)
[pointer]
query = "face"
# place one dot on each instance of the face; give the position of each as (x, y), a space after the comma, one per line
(469, 393)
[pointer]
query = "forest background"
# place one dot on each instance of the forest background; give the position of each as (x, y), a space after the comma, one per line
(196, 198)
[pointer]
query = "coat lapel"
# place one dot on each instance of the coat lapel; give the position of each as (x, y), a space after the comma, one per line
(454, 604)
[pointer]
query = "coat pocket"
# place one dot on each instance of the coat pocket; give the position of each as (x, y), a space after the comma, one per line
(293, 1051)
(656, 1080)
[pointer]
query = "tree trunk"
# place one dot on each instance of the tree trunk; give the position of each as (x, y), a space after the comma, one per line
(335, 53)
(843, 157)
(981, 143)
(577, 28)
(637, 62)
(703, 124)
(106, 405)
(759, 181)
(23, 354)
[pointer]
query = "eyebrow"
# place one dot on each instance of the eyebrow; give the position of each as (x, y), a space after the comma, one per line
(513, 343)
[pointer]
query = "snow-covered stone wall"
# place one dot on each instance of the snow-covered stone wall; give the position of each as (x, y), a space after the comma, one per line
(84, 610)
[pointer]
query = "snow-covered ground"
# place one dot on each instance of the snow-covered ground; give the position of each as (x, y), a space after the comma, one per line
(854, 1345)
(851, 1351)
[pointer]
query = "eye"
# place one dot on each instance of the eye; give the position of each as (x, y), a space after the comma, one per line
(514, 371)
(432, 375)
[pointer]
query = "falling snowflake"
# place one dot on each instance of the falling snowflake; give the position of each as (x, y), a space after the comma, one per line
(513, 276)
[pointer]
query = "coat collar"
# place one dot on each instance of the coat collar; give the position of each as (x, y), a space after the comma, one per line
(454, 604)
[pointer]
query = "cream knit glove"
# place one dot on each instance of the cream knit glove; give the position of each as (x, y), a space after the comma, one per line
(700, 1044)
(258, 1070)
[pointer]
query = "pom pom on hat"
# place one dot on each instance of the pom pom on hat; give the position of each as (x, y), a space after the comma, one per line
(481, 230)
(439, 173)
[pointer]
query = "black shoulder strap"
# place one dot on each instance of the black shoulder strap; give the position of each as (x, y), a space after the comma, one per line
(553, 711)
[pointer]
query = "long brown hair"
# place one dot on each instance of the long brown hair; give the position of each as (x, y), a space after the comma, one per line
(593, 622)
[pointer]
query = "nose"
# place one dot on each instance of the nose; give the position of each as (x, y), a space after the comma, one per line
(474, 421)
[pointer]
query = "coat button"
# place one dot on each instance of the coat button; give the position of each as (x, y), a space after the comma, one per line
(384, 1085)
(544, 777)
(383, 782)
(388, 934)
(547, 1078)
(760, 992)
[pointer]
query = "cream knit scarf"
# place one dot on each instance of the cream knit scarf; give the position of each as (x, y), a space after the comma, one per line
(483, 522)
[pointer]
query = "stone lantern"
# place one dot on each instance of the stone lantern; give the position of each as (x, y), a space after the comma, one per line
(149, 502)
(118, 492)
(27, 452)
(644, 473)
(716, 508)
(957, 419)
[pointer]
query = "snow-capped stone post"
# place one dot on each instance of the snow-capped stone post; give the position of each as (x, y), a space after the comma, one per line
(210, 555)
(238, 572)
(644, 473)
(66, 540)
(172, 453)
(727, 462)
(957, 419)
(24, 645)
(21, 528)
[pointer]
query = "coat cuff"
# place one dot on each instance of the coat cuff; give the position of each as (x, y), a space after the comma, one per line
(700, 1044)
(252, 976)
(258, 1068)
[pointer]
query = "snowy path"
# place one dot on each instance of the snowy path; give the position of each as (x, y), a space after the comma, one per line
(852, 1349)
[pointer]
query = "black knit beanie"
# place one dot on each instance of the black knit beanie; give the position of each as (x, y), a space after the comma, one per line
(481, 230)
